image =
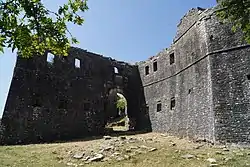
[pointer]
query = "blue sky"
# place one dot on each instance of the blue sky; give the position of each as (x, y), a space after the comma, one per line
(128, 30)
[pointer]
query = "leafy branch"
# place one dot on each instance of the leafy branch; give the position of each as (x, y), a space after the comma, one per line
(27, 26)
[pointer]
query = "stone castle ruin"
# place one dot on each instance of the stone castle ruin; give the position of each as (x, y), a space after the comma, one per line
(199, 88)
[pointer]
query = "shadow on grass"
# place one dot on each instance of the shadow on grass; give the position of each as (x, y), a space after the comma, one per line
(107, 133)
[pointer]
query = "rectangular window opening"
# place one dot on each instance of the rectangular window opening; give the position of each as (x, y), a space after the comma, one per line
(158, 106)
(155, 66)
(77, 63)
(63, 104)
(116, 70)
(172, 59)
(248, 76)
(37, 101)
(190, 90)
(86, 106)
(172, 103)
(50, 58)
(146, 70)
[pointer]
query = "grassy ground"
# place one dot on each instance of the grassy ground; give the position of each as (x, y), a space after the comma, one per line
(169, 153)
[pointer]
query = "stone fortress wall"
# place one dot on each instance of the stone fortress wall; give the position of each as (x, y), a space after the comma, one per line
(198, 88)
(59, 101)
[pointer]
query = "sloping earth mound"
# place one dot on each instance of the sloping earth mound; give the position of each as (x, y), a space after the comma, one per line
(144, 150)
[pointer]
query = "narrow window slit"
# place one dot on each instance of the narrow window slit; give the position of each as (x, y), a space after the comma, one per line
(146, 70)
(77, 63)
(172, 103)
(158, 106)
(172, 58)
(116, 70)
(50, 58)
(155, 66)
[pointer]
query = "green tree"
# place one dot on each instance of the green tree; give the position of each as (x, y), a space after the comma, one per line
(236, 12)
(121, 103)
(30, 28)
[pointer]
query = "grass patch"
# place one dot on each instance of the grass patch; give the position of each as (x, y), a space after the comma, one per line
(168, 154)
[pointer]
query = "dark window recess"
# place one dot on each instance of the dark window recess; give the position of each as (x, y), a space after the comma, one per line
(116, 70)
(63, 104)
(211, 37)
(146, 70)
(37, 101)
(155, 66)
(158, 106)
(190, 90)
(172, 103)
(65, 58)
(86, 106)
(248, 76)
(171, 58)
(147, 109)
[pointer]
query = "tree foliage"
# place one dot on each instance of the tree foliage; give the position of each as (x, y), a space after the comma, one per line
(30, 28)
(236, 12)
(121, 103)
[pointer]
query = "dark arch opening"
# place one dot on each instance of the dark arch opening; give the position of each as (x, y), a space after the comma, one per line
(117, 111)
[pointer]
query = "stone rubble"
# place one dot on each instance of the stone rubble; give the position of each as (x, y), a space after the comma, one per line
(110, 149)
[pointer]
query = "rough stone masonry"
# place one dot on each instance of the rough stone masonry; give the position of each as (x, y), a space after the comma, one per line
(199, 87)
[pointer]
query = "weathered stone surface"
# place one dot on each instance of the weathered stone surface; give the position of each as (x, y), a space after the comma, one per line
(204, 92)
(211, 160)
(97, 157)
(188, 156)
(198, 88)
(79, 155)
(107, 137)
(57, 101)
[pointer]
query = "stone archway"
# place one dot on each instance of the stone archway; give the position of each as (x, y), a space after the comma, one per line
(116, 111)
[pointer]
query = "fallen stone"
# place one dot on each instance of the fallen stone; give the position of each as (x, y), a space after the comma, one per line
(71, 164)
(239, 154)
(119, 158)
(115, 154)
(213, 165)
(123, 138)
(133, 147)
(107, 137)
(86, 158)
(152, 149)
(225, 149)
(126, 156)
(219, 153)
(188, 156)
(228, 158)
(211, 160)
(97, 157)
(108, 148)
(101, 151)
(199, 146)
(164, 135)
(79, 155)
(106, 159)
(54, 152)
(145, 147)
